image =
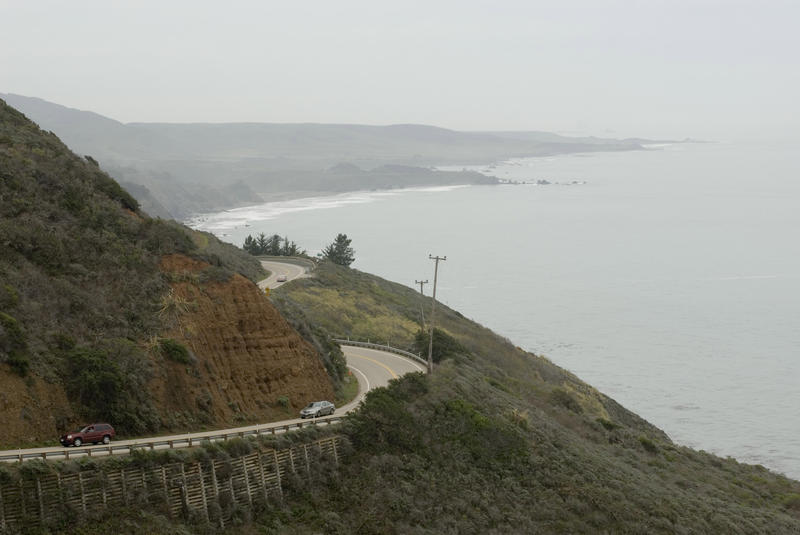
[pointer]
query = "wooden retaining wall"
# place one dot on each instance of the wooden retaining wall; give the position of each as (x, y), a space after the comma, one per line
(210, 491)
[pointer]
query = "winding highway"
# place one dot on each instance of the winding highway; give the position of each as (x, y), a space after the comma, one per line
(371, 367)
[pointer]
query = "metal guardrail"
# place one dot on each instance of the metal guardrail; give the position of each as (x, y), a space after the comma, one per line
(187, 441)
(381, 347)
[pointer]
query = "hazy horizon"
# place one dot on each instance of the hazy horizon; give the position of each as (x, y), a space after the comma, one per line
(707, 69)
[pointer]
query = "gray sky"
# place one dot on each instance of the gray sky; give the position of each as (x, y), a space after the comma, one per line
(699, 68)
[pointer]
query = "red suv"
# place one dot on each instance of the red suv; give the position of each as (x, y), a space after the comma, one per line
(93, 433)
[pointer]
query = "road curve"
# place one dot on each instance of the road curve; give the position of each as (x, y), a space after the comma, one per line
(276, 269)
(371, 367)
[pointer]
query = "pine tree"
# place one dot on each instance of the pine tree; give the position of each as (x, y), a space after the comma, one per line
(250, 245)
(340, 252)
(263, 243)
(274, 247)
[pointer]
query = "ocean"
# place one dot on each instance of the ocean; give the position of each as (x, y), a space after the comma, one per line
(667, 278)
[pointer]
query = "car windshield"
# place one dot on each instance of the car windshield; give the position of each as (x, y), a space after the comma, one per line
(82, 429)
(312, 405)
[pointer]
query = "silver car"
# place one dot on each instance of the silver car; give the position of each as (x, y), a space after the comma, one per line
(315, 409)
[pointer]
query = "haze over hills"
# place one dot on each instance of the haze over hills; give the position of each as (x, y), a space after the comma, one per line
(176, 170)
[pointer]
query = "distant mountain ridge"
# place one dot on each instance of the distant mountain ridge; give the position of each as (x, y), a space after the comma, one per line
(181, 169)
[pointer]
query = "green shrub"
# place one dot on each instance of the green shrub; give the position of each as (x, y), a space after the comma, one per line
(108, 382)
(560, 396)
(607, 424)
(9, 298)
(19, 363)
(792, 501)
(444, 345)
(174, 350)
(13, 344)
(215, 274)
(648, 444)
(283, 401)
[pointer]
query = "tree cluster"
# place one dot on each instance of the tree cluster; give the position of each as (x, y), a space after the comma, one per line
(271, 245)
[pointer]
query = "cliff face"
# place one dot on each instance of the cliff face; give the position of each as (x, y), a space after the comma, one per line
(96, 297)
(247, 355)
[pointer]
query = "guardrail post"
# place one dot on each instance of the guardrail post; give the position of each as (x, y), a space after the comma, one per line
(170, 444)
(190, 441)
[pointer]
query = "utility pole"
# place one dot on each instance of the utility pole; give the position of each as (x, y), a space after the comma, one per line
(420, 285)
(421, 311)
(433, 308)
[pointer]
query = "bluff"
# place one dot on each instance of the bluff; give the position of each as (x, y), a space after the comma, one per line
(108, 314)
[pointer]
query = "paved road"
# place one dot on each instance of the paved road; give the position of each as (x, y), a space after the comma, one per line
(276, 269)
(371, 367)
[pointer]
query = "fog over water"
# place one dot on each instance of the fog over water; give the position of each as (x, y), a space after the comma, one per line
(670, 280)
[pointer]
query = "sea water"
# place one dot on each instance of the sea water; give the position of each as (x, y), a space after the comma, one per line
(667, 278)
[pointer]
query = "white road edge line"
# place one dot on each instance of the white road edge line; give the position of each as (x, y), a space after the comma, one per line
(364, 393)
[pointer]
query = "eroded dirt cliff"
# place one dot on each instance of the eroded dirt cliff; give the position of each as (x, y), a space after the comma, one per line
(250, 364)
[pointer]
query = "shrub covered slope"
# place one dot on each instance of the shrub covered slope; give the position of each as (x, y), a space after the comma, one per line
(498, 440)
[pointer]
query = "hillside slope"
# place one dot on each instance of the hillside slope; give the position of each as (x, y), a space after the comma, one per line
(107, 314)
(499, 440)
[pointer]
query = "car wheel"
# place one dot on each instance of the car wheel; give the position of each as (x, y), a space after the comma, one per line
(106, 439)
(77, 442)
